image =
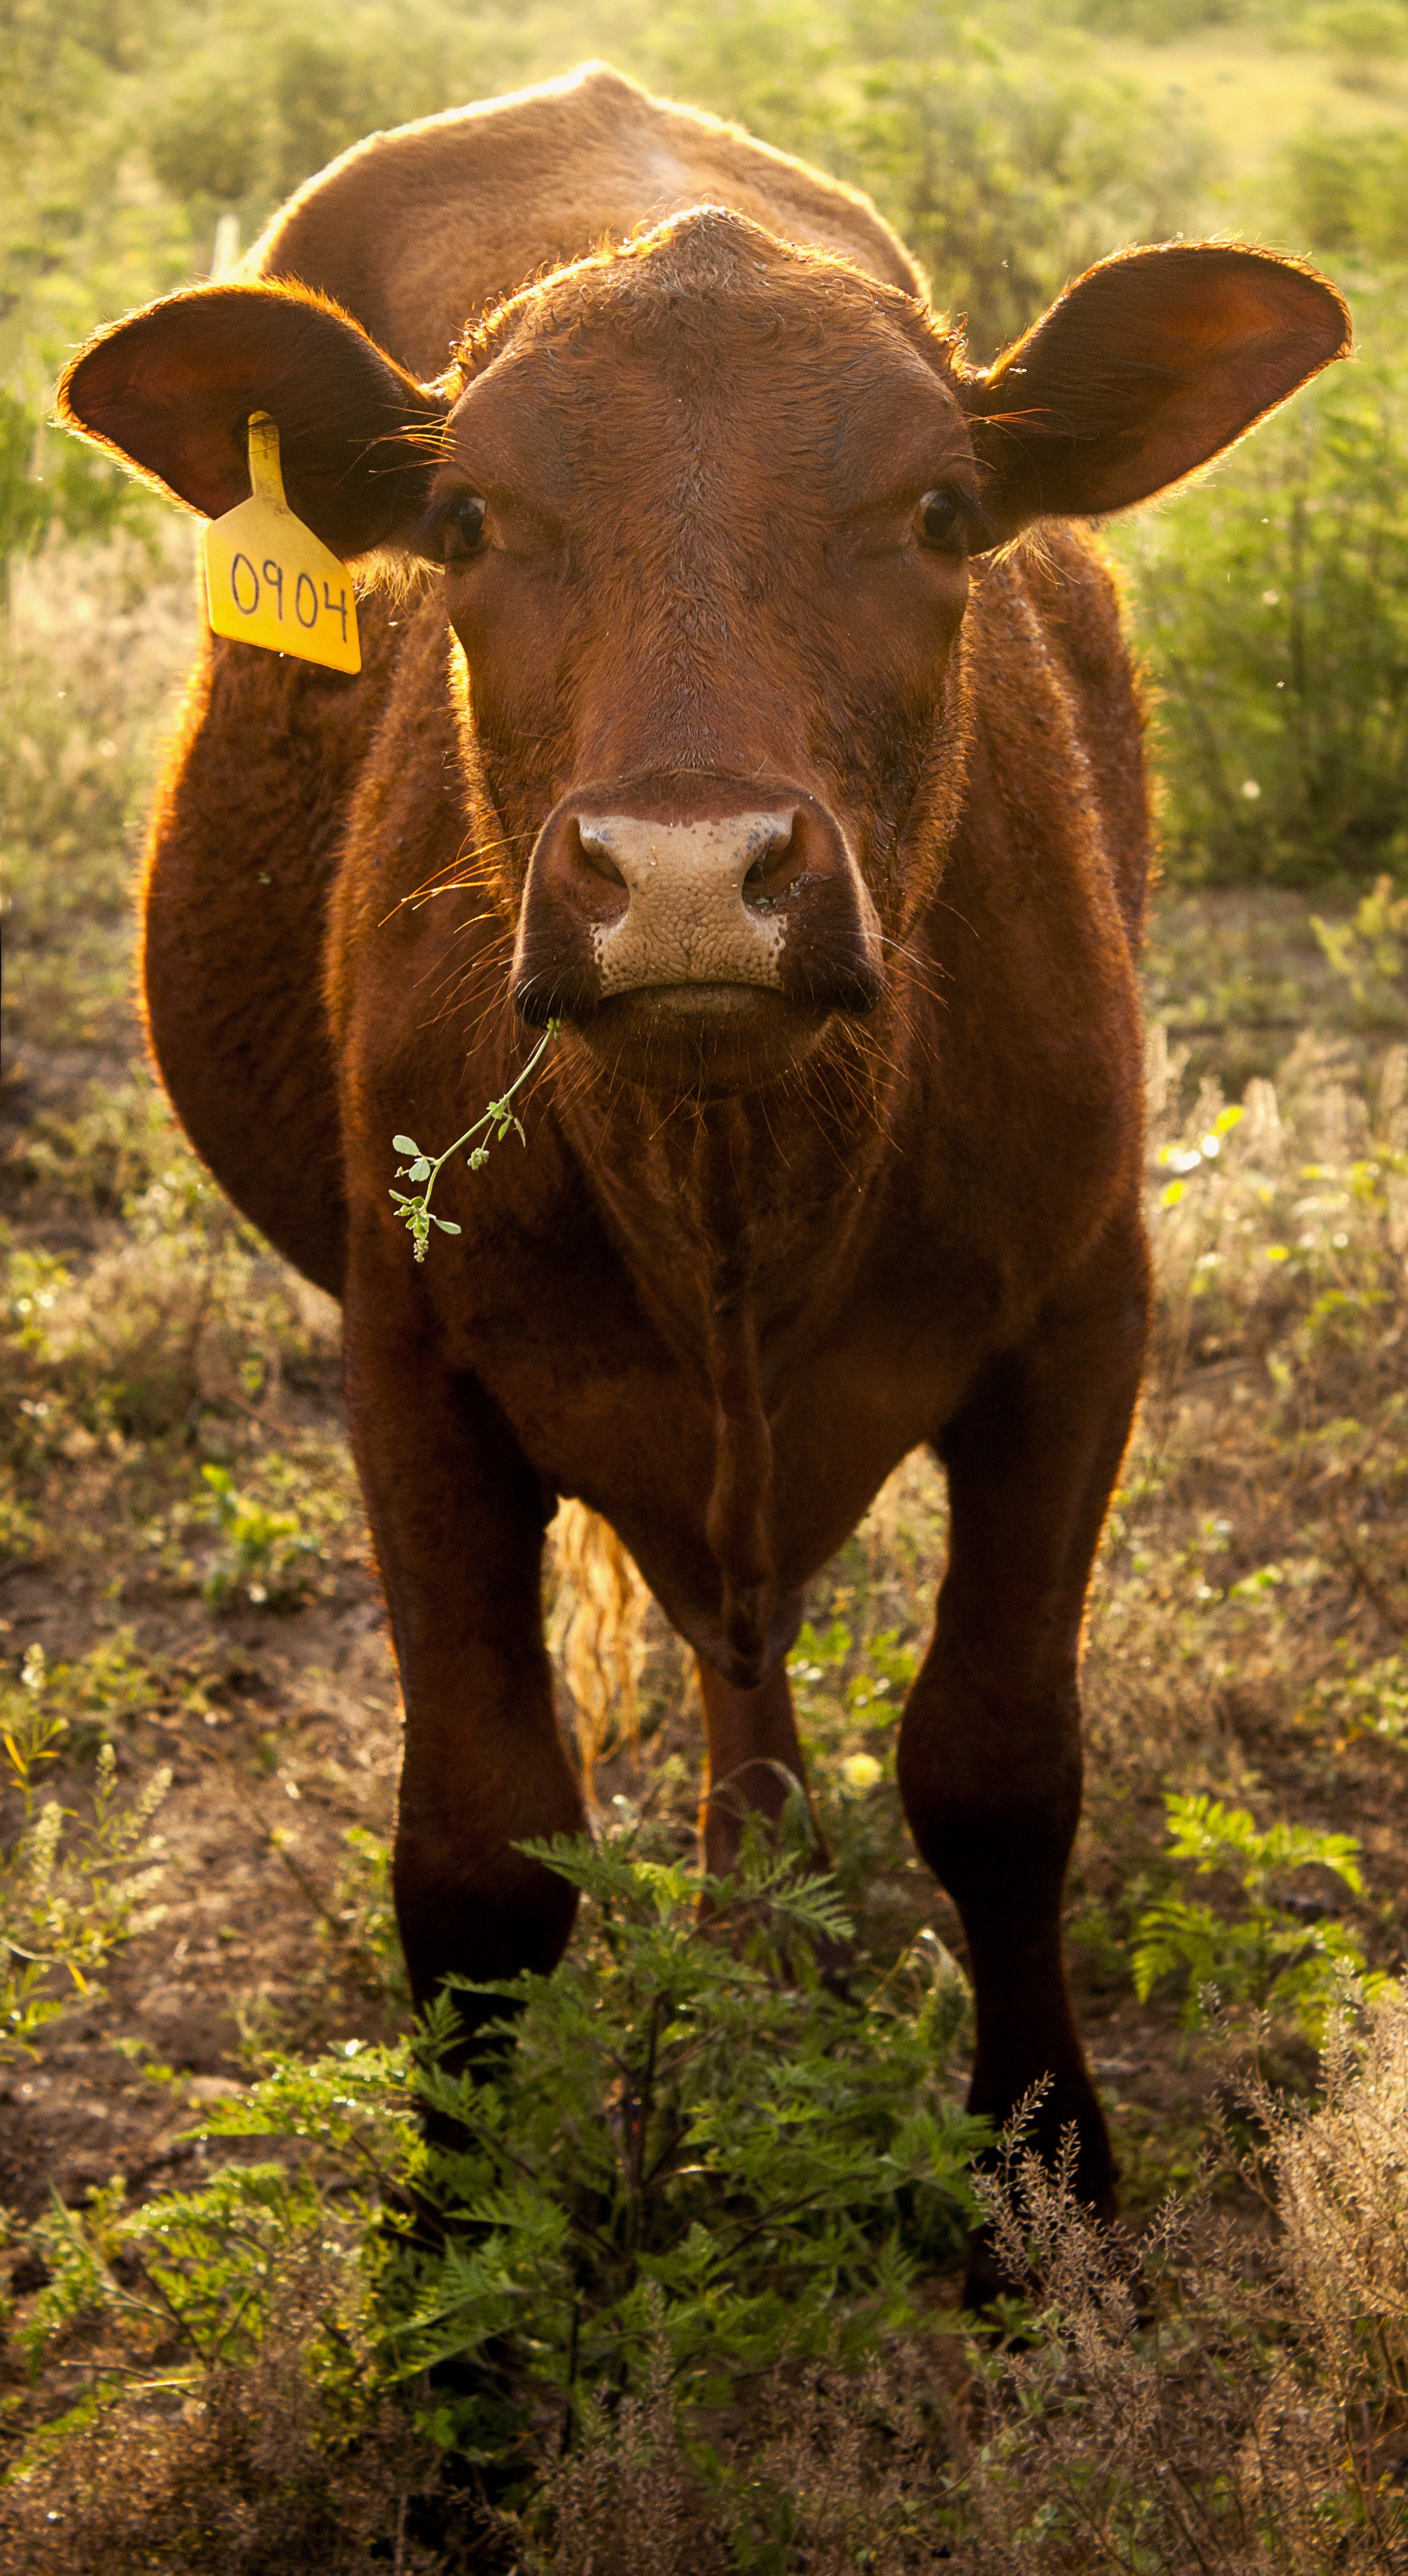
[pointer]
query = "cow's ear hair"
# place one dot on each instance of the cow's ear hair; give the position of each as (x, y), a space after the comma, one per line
(1150, 364)
(171, 389)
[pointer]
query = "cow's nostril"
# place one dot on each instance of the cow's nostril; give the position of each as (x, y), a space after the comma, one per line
(776, 856)
(598, 858)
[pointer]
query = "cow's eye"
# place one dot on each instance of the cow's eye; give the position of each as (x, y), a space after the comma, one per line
(459, 527)
(943, 520)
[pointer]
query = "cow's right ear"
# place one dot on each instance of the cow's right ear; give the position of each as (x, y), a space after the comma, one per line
(171, 389)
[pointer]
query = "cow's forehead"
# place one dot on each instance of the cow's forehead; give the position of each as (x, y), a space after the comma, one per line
(803, 389)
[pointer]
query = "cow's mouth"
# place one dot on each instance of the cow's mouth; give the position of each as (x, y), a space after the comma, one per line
(705, 1039)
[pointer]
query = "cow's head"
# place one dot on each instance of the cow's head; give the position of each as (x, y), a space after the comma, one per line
(705, 509)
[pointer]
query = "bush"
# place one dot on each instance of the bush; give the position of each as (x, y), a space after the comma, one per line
(1272, 605)
(685, 2143)
(1363, 36)
(1348, 193)
(1008, 176)
(695, 2141)
(242, 120)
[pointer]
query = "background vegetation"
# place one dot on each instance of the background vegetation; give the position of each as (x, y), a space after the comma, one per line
(688, 2299)
(1010, 152)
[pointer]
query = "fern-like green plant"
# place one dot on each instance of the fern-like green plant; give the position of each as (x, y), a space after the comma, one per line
(1268, 1955)
(695, 2131)
(680, 2134)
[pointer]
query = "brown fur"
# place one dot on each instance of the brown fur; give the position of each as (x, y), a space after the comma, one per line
(416, 231)
(762, 1243)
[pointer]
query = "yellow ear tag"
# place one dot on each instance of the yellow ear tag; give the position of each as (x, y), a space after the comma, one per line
(269, 580)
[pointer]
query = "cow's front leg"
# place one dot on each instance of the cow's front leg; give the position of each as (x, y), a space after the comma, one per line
(458, 1519)
(990, 1753)
(755, 1761)
(756, 1766)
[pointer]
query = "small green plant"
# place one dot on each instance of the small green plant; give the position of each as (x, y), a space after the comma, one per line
(361, 1914)
(426, 1168)
(1273, 1955)
(70, 1891)
(849, 1695)
(1368, 1700)
(21, 1534)
(99, 1692)
(679, 2136)
(1369, 950)
(266, 1556)
(690, 2130)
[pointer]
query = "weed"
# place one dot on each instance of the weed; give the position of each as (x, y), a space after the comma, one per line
(1170, 2405)
(21, 1532)
(268, 2468)
(264, 1557)
(70, 1891)
(93, 1699)
(1274, 1955)
(1369, 950)
(1372, 1700)
(119, 1145)
(182, 1319)
(362, 1909)
(674, 2141)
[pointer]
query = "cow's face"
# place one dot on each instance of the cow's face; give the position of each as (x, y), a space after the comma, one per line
(705, 518)
(704, 509)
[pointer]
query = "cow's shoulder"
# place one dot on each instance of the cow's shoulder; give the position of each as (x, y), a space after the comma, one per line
(415, 231)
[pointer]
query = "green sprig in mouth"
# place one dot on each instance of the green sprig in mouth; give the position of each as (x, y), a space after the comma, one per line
(496, 1122)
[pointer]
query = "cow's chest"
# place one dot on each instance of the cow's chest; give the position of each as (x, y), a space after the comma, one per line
(729, 1451)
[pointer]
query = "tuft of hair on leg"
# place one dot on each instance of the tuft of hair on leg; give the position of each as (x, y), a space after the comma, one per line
(596, 1633)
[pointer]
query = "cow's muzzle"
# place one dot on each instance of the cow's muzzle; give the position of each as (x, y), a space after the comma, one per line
(691, 902)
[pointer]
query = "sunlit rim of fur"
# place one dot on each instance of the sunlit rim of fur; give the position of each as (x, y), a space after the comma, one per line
(559, 297)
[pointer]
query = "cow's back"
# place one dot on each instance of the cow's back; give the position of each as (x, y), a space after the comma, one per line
(415, 231)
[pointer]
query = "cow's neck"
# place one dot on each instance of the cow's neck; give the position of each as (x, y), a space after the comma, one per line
(742, 1220)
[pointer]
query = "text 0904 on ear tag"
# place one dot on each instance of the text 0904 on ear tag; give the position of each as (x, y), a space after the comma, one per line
(269, 581)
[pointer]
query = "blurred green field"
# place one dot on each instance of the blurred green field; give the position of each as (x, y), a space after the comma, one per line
(195, 2372)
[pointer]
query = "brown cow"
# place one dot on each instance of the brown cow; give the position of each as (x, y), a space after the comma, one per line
(713, 692)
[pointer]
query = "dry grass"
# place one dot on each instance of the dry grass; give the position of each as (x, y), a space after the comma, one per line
(261, 2472)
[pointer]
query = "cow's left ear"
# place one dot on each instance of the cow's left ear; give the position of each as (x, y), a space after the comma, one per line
(170, 390)
(1146, 367)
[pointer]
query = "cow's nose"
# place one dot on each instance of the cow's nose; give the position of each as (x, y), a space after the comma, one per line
(762, 894)
(697, 900)
(739, 850)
